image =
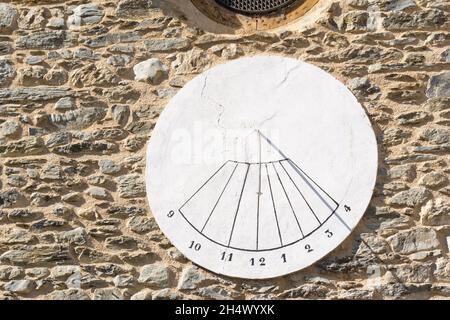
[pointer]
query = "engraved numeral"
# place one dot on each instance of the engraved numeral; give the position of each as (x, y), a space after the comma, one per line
(195, 246)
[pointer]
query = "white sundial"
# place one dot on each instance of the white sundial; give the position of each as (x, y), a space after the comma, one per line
(260, 167)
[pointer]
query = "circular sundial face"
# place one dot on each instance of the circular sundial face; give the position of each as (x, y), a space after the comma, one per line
(260, 167)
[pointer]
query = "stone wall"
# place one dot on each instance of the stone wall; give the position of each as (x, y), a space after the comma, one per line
(81, 87)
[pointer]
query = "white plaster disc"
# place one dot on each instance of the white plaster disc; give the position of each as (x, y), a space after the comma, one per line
(260, 167)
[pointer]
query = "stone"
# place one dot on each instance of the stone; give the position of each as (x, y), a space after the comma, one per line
(52, 172)
(435, 135)
(215, 292)
(65, 104)
(435, 213)
(434, 180)
(120, 113)
(414, 117)
(18, 95)
(5, 48)
(445, 55)
(98, 193)
(37, 254)
(8, 198)
(135, 8)
(166, 45)
(411, 241)
(77, 119)
(58, 139)
(145, 294)
(63, 272)
(131, 186)
(19, 286)
(439, 85)
(85, 14)
(37, 273)
(10, 272)
(33, 60)
(86, 54)
(108, 294)
(141, 224)
(69, 294)
(77, 236)
(8, 17)
(154, 275)
(108, 166)
(405, 172)
(42, 40)
(191, 278)
(396, 5)
(56, 23)
(118, 60)
(422, 20)
(120, 242)
(123, 280)
(9, 128)
(7, 72)
(355, 21)
(152, 70)
(411, 198)
(25, 146)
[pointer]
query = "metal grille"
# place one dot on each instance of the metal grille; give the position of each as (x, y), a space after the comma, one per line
(255, 6)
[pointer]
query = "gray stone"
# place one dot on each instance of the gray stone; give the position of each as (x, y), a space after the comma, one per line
(19, 286)
(56, 23)
(65, 104)
(411, 198)
(355, 21)
(422, 20)
(42, 40)
(10, 272)
(395, 5)
(411, 241)
(58, 139)
(37, 273)
(445, 55)
(17, 95)
(77, 119)
(140, 224)
(166, 45)
(435, 135)
(8, 17)
(37, 254)
(414, 117)
(108, 294)
(9, 128)
(77, 236)
(435, 213)
(86, 54)
(191, 278)
(111, 38)
(434, 180)
(155, 275)
(405, 172)
(33, 60)
(120, 113)
(108, 166)
(5, 48)
(63, 272)
(85, 148)
(439, 85)
(215, 292)
(7, 71)
(123, 280)
(120, 242)
(85, 14)
(52, 172)
(8, 198)
(118, 60)
(98, 193)
(69, 294)
(131, 186)
(152, 70)
(136, 8)
(145, 294)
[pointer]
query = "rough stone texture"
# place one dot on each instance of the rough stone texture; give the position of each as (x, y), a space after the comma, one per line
(74, 220)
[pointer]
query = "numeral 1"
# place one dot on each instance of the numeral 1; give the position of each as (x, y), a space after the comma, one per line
(283, 257)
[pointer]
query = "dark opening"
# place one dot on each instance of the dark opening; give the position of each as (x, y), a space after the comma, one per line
(253, 7)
